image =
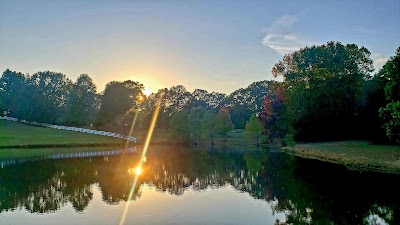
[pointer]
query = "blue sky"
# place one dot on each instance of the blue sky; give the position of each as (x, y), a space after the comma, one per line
(213, 45)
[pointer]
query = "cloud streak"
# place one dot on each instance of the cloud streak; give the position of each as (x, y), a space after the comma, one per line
(281, 39)
(379, 60)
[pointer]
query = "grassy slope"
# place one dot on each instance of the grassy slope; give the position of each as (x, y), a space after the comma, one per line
(357, 155)
(13, 134)
(19, 140)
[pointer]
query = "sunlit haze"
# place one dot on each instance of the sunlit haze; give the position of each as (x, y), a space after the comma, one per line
(213, 45)
(147, 91)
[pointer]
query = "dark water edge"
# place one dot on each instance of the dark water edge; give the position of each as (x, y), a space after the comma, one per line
(349, 194)
(305, 190)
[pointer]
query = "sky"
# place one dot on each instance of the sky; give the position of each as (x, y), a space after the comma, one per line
(213, 45)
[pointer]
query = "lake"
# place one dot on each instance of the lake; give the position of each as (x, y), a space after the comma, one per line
(185, 186)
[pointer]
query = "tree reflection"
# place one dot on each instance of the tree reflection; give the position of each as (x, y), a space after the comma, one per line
(379, 215)
(307, 192)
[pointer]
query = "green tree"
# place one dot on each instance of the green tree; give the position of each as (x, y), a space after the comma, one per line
(254, 128)
(147, 107)
(195, 120)
(13, 88)
(178, 127)
(117, 99)
(323, 87)
(82, 102)
(210, 125)
(49, 91)
(391, 112)
(176, 99)
(244, 102)
(213, 100)
(224, 122)
(370, 122)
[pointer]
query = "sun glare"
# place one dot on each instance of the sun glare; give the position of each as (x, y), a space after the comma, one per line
(138, 171)
(147, 91)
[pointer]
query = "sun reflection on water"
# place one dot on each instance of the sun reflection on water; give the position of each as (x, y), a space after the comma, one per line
(135, 171)
(138, 171)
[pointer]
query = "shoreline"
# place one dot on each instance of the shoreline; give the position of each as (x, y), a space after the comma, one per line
(70, 145)
(355, 155)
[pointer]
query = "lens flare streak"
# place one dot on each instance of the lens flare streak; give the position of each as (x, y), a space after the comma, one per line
(142, 158)
(132, 126)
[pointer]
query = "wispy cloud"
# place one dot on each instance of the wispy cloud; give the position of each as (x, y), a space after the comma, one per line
(280, 37)
(379, 60)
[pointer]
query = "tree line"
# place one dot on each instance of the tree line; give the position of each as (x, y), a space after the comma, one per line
(328, 92)
(52, 97)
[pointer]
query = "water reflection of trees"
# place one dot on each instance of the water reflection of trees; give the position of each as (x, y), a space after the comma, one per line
(305, 191)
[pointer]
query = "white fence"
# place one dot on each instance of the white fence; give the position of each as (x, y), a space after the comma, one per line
(83, 130)
(10, 162)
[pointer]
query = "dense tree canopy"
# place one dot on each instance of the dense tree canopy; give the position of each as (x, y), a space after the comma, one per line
(12, 93)
(49, 95)
(246, 101)
(200, 124)
(118, 98)
(176, 99)
(323, 86)
(390, 113)
(82, 102)
(213, 100)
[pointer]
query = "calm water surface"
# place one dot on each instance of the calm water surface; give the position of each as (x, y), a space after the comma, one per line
(184, 186)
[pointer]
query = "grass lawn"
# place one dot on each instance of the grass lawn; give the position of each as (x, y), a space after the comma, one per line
(19, 140)
(17, 135)
(358, 155)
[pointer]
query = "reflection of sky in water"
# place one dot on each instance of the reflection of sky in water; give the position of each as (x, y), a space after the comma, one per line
(223, 205)
(182, 186)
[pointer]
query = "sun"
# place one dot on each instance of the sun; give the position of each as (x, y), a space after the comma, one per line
(147, 91)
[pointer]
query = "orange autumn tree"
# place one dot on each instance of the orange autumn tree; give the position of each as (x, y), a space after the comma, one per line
(276, 120)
